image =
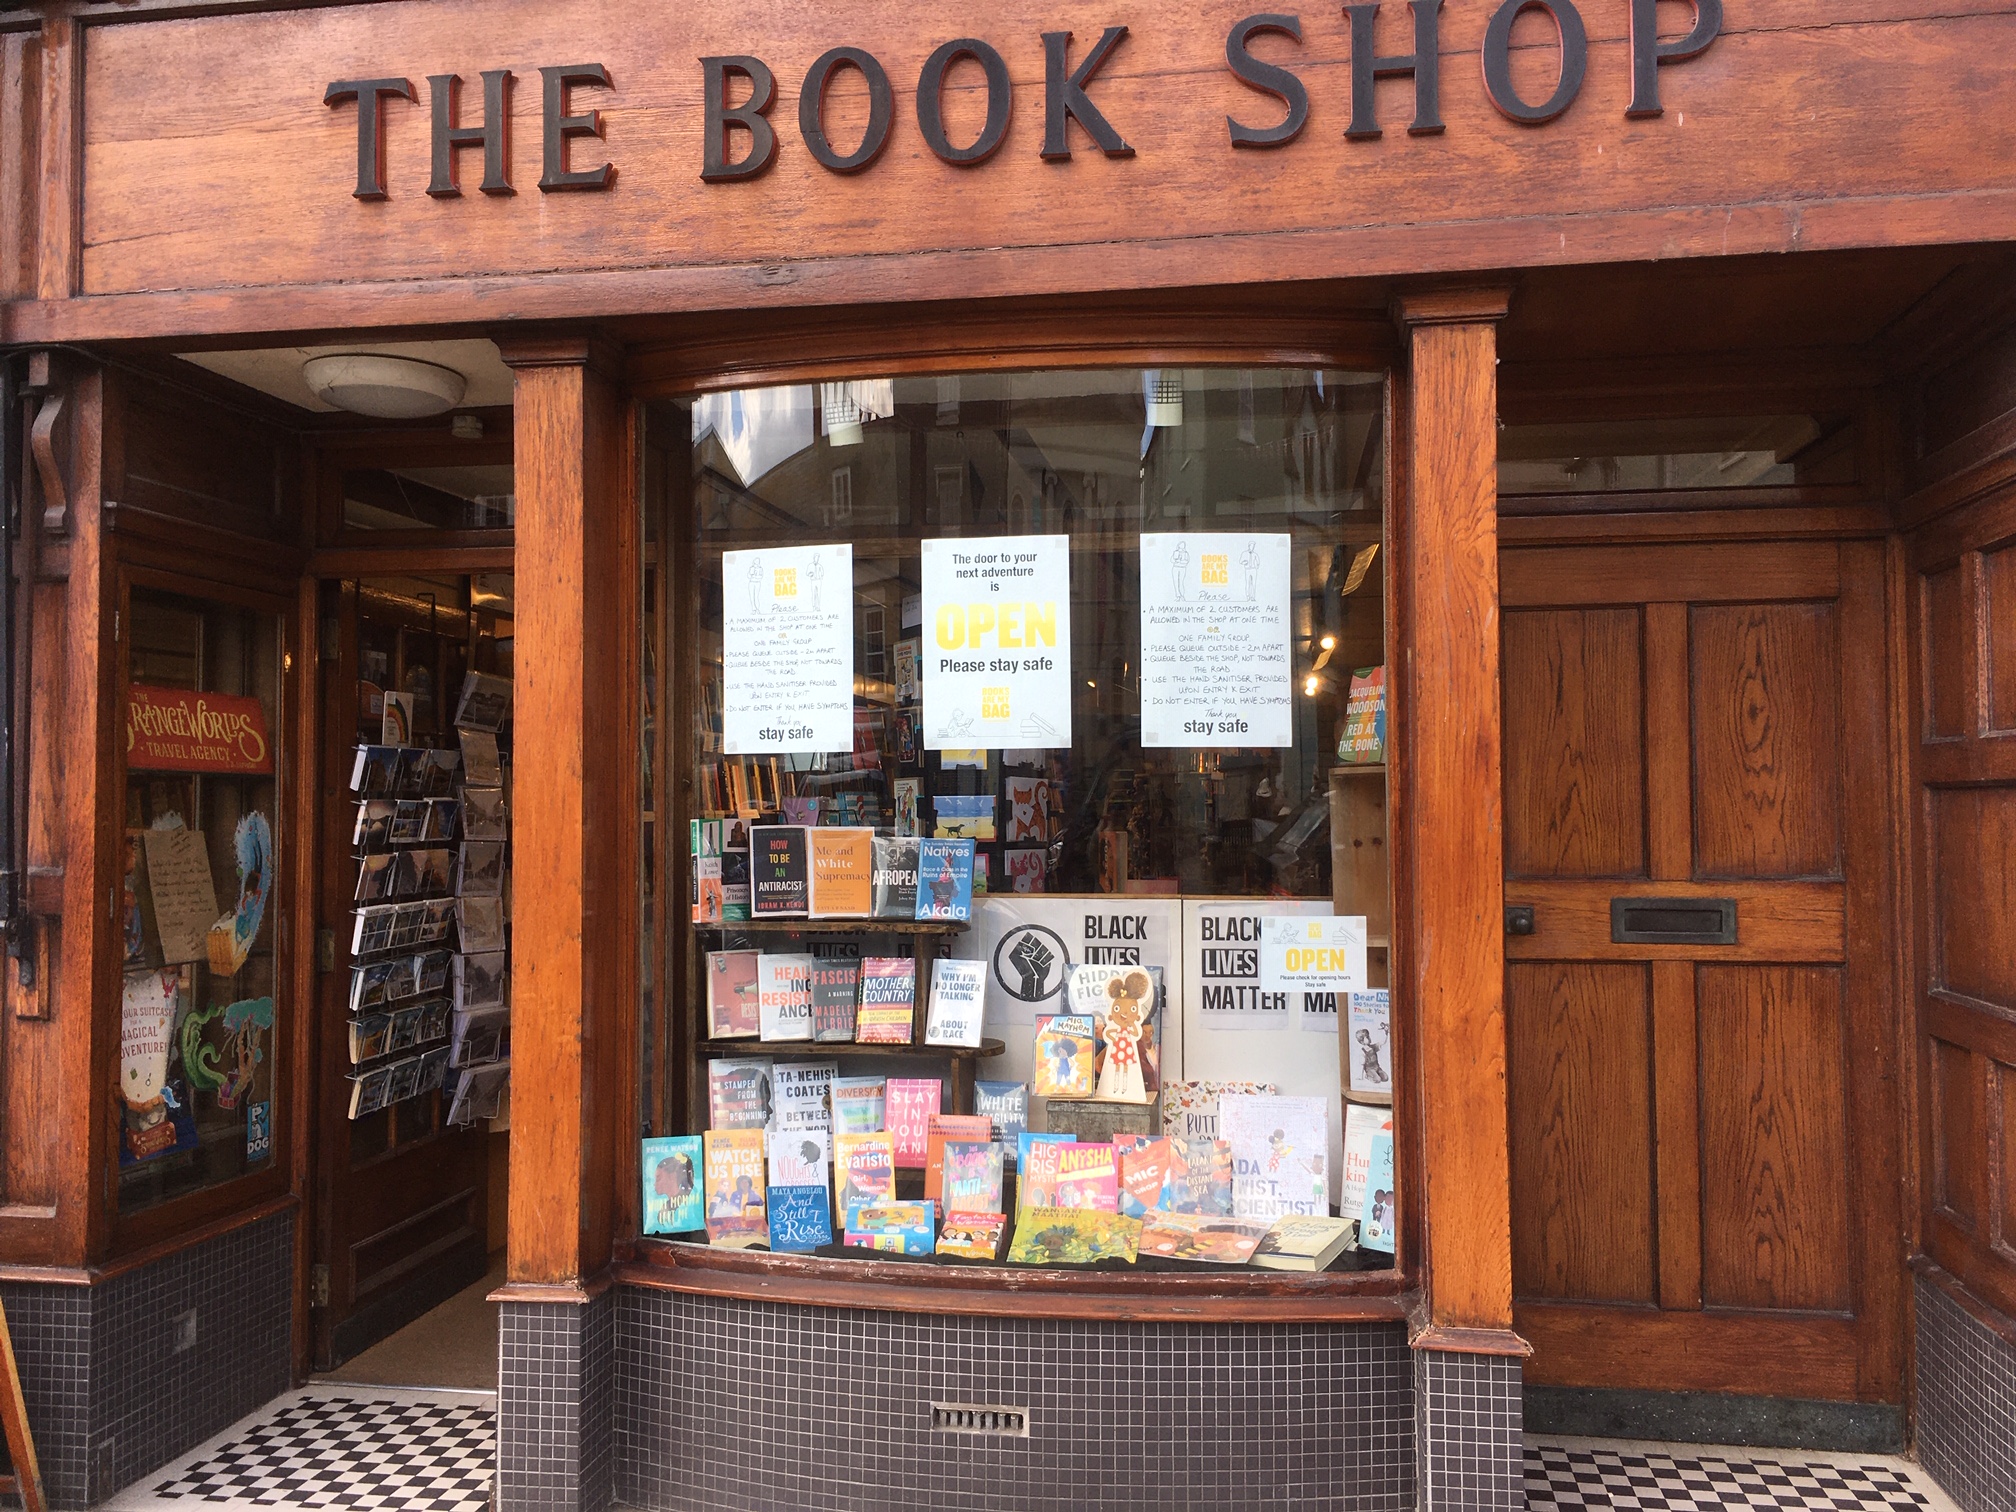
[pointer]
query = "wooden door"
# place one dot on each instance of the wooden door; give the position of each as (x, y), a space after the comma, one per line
(401, 1215)
(1704, 1136)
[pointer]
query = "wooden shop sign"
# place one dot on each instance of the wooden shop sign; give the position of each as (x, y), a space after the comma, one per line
(741, 141)
(177, 730)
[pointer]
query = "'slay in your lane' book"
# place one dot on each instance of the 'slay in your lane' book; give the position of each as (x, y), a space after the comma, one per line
(907, 1106)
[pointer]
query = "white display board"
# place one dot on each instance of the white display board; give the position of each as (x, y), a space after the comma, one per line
(787, 650)
(1216, 668)
(996, 654)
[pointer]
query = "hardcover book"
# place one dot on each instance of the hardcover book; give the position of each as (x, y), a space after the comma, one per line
(939, 1128)
(672, 1169)
(972, 1236)
(1007, 1104)
(801, 1157)
(909, 1228)
(1190, 1108)
(843, 867)
(780, 872)
(1280, 1154)
(894, 877)
(1200, 1176)
(1024, 1142)
(864, 1169)
(957, 991)
(1087, 1177)
(857, 1104)
(1063, 1058)
(836, 987)
(1144, 1172)
(1370, 1056)
(888, 1001)
(1121, 1002)
(1304, 1242)
(970, 1181)
(735, 1187)
(738, 1094)
(908, 1103)
(1072, 1236)
(1378, 1216)
(801, 1219)
(784, 996)
(799, 1095)
(1196, 1236)
(944, 879)
(732, 1003)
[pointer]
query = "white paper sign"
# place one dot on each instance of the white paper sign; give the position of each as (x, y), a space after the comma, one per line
(996, 658)
(787, 649)
(1221, 947)
(1312, 955)
(1215, 663)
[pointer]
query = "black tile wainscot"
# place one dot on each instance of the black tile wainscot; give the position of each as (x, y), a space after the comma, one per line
(123, 1375)
(1966, 1398)
(722, 1403)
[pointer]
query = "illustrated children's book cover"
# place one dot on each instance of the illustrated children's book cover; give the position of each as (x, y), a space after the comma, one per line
(972, 1236)
(908, 1103)
(842, 872)
(800, 1157)
(672, 1170)
(1144, 1172)
(888, 996)
(784, 996)
(1190, 1108)
(1379, 1215)
(944, 879)
(909, 1228)
(1199, 1236)
(1026, 1141)
(1361, 1126)
(734, 1186)
(857, 1104)
(732, 1011)
(1200, 1176)
(971, 1181)
(1072, 1236)
(738, 1094)
(1064, 1056)
(1370, 1056)
(864, 1170)
(941, 1128)
(801, 1219)
(1069, 1174)
(1280, 1154)
(836, 987)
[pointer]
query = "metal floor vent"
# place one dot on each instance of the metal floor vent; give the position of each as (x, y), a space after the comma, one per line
(966, 1417)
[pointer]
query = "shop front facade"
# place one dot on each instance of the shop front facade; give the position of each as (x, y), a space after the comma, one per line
(1514, 501)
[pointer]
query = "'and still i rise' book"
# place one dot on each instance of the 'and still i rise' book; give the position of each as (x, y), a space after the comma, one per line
(888, 999)
(836, 986)
(780, 870)
(801, 1219)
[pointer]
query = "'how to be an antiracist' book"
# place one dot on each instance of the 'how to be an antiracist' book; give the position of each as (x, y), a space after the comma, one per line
(780, 871)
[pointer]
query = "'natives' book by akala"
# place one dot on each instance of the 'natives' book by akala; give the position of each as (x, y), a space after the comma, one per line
(944, 879)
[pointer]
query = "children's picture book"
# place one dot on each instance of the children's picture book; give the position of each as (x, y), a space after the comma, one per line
(1304, 1242)
(1064, 1056)
(1361, 1126)
(864, 1170)
(1190, 1108)
(893, 881)
(1200, 1176)
(888, 1001)
(944, 879)
(1072, 1236)
(958, 992)
(972, 1236)
(1370, 1055)
(1197, 1236)
(672, 1170)
(836, 988)
(1280, 1154)
(843, 865)
(970, 1181)
(906, 789)
(940, 1128)
(1087, 1177)
(801, 1157)
(801, 1219)
(967, 816)
(784, 996)
(738, 1094)
(857, 1104)
(1024, 1142)
(1144, 1172)
(1363, 739)
(908, 1103)
(733, 1010)
(1025, 868)
(780, 870)
(1379, 1216)
(909, 1228)
(1121, 1002)
(799, 1095)
(734, 1186)
(1006, 1104)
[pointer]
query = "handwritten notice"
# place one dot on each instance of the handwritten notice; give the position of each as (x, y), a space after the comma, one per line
(787, 650)
(1216, 669)
(996, 660)
(146, 1013)
(184, 896)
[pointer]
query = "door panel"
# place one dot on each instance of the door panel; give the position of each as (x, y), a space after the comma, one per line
(1702, 1135)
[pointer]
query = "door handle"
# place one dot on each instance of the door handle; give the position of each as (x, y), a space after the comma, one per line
(1672, 921)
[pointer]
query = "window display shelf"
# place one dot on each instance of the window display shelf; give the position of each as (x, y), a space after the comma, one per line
(987, 1049)
(839, 926)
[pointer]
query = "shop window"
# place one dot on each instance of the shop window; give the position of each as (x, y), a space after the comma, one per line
(473, 497)
(1035, 719)
(1676, 452)
(201, 999)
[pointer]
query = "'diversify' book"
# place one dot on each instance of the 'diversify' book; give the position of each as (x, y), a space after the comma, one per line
(857, 1104)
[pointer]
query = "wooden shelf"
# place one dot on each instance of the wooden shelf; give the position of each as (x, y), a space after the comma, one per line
(842, 926)
(1358, 769)
(987, 1049)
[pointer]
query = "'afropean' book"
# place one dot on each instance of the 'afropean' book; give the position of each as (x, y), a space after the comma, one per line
(893, 878)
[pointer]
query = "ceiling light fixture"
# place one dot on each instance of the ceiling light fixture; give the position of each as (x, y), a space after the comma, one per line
(384, 387)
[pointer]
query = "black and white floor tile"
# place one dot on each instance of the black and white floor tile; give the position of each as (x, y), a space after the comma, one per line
(1581, 1476)
(363, 1449)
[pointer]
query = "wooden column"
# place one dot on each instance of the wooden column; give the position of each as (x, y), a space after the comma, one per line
(1454, 964)
(575, 816)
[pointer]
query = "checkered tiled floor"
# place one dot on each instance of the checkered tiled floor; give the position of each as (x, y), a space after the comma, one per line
(1571, 1478)
(363, 1451)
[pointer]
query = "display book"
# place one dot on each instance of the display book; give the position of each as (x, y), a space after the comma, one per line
(429, 993)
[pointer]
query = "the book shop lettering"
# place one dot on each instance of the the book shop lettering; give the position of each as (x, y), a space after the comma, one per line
(740, 92)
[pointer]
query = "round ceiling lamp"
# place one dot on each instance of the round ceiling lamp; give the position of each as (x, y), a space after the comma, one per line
(384, 387)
